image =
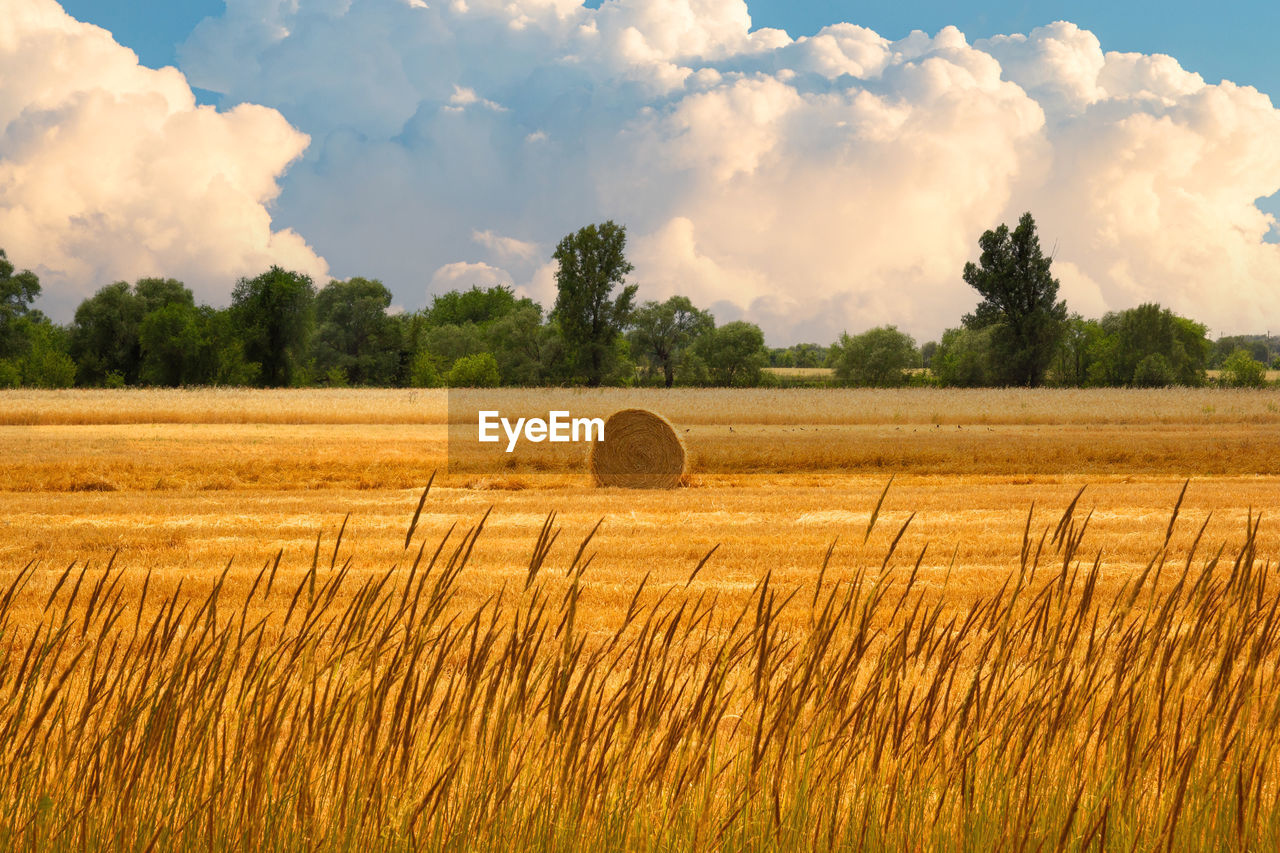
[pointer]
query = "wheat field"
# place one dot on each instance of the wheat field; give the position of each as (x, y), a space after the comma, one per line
(872, 620)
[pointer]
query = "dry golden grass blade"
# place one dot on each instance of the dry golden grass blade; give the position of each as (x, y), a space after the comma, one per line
(875, 513)
(417, 513)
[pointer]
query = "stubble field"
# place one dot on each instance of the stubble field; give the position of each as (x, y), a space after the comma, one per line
(963, 656)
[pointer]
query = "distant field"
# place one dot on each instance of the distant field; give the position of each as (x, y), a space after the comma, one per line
(180, 487)
(1272, 375)
(802, 372)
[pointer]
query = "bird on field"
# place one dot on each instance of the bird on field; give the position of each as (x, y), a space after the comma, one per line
(730, 429)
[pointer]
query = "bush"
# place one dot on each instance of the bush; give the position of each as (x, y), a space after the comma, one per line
(474, 371)
(336, 377)
(1154, 371)
(423, 373)
(1242, 370)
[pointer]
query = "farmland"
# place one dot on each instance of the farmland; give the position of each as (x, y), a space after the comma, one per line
(840, 709)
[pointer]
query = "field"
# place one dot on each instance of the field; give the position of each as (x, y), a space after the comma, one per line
(975, 654)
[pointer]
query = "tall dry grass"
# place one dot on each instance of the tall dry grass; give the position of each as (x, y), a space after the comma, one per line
(888, 716)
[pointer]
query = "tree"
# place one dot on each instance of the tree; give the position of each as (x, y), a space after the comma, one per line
(354, 334)
(423, 372)
(106, 338)
(478, 306)
(171, 340)
(1154, 371)
(1131, 336)
(1019, 302)
(33, 351)
(528, 351)
(17, 292)
(927, 350)
(274, 314)
(734, 354)
(878, 357)
(447, 344)
(592, 263)
(104, 335)
(1076, 351)
(964, 358)
(662, 331)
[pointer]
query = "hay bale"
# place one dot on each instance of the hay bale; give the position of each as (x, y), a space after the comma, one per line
(641, 450)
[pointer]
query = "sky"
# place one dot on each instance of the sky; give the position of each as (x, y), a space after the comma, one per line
(814, 167)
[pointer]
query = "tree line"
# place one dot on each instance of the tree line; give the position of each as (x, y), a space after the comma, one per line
(280, 330)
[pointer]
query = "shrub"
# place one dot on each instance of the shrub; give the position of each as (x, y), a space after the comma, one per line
(1242, 370)
(474, 371)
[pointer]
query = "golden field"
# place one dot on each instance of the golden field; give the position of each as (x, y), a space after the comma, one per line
(964, 660)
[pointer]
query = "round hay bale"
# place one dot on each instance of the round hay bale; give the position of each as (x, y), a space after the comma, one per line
(641, 450)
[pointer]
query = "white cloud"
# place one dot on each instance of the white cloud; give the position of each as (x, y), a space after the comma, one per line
(507, 247)
(461, 275)
(109, 170)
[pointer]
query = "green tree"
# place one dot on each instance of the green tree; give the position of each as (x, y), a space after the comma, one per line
(662, 332)
(17, 292)
(1154, 371)
(157, 293)
(1019, 302)
(1259, 347)
(1076, 351)
(1242, 370)
(528, 351)
(33, 351)
(44, 363)
(106, 340)
(424, 373)
(171, 340)
(733, 354)
(274, 314)
(477, 305)
(592, 264)
(965, 358)
(447, 344)
(354, 333)
(927, 350)
(878, 357)
(474, 371)
(1129, 337)
(104, 335)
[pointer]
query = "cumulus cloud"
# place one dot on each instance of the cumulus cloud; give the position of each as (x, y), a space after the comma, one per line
(109, 170)
(837, 181)
(461, 275)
